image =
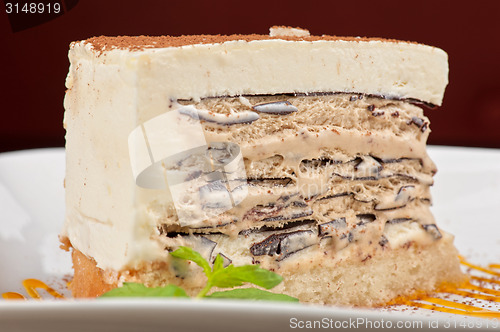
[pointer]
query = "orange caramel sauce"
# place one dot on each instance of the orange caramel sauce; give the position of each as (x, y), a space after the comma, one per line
(466, 290)
(31, 286)
(13, 296)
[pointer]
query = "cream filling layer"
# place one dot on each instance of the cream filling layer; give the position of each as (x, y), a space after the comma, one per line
(295, 147)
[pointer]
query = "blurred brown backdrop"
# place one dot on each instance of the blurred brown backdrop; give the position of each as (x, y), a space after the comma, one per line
(34, 60)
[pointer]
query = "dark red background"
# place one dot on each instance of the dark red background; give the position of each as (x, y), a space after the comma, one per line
(34, 61)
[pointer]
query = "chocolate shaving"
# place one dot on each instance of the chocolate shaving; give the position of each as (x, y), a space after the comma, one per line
(433, 230)
(420, 123)
(283, 244)
(365, 218)
(278, 108)
(398, 221)
(286, 226)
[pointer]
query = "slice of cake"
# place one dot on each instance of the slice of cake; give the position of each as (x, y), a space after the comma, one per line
(306, 155)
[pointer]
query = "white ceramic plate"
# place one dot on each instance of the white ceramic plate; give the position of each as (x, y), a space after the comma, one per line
(466, 202)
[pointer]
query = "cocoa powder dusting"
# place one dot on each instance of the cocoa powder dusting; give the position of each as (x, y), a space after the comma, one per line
(139, 43)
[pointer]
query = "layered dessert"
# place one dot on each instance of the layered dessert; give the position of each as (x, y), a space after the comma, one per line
(304, 154)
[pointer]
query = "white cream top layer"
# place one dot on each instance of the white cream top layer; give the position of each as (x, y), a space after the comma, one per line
(385, 68)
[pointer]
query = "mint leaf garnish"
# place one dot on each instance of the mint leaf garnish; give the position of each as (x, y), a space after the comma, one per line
(218, 263)
(191, 255)
(132, 289)
(217, 276)
(232, 276)
(251, 294)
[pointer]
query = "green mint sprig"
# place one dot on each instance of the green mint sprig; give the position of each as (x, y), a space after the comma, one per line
(133, 289)
(217, 276)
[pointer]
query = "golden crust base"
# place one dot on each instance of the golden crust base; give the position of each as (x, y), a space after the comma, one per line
(88, 280)
(372, 283)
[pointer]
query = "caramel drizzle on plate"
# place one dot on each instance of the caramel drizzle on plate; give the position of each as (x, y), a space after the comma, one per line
(466, 290)
(31, 286)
